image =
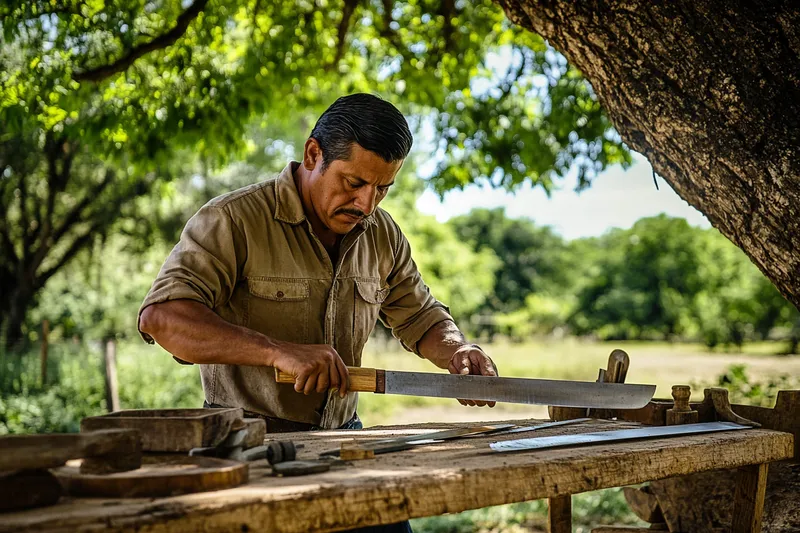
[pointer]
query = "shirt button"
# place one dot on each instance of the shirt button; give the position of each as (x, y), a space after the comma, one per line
(279, 294)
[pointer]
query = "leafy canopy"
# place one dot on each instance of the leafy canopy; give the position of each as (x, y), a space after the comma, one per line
(134, 80)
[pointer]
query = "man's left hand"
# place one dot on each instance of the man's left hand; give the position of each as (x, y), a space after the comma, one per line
(471, 359)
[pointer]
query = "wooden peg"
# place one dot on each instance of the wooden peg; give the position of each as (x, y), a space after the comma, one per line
(681, 413)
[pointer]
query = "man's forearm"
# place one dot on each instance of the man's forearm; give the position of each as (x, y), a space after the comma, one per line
(193, 333)
(440, 343)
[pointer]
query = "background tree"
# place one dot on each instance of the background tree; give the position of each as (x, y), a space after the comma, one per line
(533, 258)
(664, 279)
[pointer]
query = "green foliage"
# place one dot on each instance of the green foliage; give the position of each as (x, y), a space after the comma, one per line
(533, 259)
(98, 295)
(541, 315)
(663, 279)
(77, 391)
(104, 102)
(75, 388)
(457, 275)
(80, 71)
(744, 389)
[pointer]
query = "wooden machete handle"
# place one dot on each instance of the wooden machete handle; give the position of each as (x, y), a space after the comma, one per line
(361, 379)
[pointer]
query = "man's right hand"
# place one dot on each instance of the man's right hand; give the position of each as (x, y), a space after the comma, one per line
(316, 367)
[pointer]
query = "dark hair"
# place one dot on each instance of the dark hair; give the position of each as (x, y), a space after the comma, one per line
(373, 123)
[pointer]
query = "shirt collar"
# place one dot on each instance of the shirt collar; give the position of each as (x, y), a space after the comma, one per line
(289, 206)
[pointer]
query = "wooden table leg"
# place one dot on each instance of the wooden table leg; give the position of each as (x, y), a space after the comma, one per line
(559, 514)
(748, 502)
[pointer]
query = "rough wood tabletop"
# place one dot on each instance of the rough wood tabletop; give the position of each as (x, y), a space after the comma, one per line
(432, 480)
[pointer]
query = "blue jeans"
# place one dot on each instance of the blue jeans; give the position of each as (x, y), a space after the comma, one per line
(400, 527)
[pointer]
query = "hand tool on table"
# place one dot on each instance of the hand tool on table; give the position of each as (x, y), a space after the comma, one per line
(286, 465)
(545, 425)
(397, 444)
(282, 456)
(499, 389)
(243, 443)
(604, 437)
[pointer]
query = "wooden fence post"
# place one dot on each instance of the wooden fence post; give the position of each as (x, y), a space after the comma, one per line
(112, 389)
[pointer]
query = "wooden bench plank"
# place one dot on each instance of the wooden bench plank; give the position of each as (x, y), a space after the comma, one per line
(438, 479)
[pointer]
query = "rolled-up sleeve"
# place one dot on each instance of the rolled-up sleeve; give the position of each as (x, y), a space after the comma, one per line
(410, 309)
(204, 266)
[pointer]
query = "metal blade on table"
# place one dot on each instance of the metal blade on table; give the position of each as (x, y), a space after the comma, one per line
(543, 425)
(520, 390)
(558, 441)
(386, 445)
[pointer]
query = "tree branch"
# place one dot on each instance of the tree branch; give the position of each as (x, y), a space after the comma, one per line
(81, 242)
(56, 183)
(387, 32)
(9, 254)
(74, 215)
(447, 9)
(24, 222)
(162, 41)
(347, 13)
(77, 245)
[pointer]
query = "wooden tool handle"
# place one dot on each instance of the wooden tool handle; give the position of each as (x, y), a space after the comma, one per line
(361, 379)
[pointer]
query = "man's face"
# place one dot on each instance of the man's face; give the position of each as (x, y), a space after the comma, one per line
(348, 190)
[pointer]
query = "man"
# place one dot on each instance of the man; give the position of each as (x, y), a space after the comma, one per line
(293, 273)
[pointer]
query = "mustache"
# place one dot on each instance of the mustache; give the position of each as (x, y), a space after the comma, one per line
(348, 211)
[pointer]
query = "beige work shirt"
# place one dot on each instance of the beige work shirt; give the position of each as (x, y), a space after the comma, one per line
(252, 257)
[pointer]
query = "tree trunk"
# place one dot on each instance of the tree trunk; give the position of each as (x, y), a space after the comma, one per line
(709, 92)
(13, 316)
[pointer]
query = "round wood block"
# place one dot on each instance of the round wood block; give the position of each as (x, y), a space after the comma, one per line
(165, 475)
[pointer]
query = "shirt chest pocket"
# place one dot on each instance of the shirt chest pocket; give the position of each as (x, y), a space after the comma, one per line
(369, 296)
(279, 308)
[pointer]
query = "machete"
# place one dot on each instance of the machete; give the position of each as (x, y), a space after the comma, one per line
(557, 441)
(496, 389)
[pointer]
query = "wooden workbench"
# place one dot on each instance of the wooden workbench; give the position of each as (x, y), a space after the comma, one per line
(442, 478)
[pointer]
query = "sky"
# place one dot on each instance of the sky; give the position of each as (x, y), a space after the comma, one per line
(616, 199)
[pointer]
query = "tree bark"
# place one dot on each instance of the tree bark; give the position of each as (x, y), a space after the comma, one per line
(709, 92)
